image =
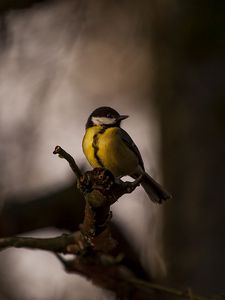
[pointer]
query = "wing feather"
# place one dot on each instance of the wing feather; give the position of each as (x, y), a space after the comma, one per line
(130, 143)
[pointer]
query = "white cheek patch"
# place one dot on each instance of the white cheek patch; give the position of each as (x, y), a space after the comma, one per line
(103, 120)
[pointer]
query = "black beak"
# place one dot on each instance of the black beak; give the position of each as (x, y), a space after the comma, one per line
(122, 117)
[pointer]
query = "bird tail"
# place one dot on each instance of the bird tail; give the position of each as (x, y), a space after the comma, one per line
(153, 189)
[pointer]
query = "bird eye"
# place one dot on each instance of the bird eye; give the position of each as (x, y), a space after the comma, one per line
(109, 116)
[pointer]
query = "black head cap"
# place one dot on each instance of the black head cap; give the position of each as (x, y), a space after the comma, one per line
(105, 112)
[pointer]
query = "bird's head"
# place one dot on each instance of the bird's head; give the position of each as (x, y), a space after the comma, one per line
(105, 116)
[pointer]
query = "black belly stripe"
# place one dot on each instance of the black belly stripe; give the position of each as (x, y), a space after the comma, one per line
(95, 146)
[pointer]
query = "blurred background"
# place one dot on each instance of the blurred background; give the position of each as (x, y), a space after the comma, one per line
(162, 63)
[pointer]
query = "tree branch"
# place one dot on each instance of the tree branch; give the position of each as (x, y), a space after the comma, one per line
(127, 278)
(187, 294)
(62, 244)
(98, 253)
(57, 244)
(63, 154)
(100, 190)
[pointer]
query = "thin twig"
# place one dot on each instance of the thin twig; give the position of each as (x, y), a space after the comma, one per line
(57, 244)
(63, 154)
(164, 289)
(131, 185)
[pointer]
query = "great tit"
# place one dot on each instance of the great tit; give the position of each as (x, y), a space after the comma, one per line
(107, 145)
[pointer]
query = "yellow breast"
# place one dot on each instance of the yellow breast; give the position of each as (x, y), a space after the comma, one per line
(87, 145)
(107, 149)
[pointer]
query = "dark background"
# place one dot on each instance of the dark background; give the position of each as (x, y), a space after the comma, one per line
(162, 62)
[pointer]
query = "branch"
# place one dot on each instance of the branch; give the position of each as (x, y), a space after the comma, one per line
(188, 294)
(111, 276)
(97, 251)
(95, 238)
(114, 278)
(63, 154)
(57, 244)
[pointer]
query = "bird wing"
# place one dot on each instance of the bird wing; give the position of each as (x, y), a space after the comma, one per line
(129, 142)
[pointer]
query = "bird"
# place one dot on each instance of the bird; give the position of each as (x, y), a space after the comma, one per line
(106, 145)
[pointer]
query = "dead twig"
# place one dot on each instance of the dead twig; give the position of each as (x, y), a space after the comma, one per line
(63, 154)
(187, 294)
(57, 244)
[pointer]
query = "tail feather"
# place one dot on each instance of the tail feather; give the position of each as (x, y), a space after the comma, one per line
(154, 190)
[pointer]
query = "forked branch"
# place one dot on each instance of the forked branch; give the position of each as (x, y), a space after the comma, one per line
(98, 254)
